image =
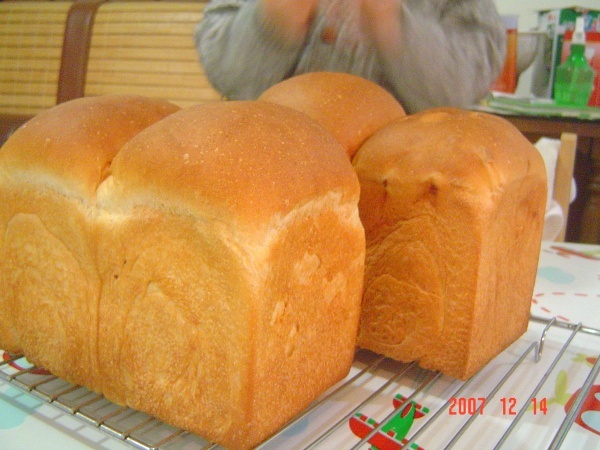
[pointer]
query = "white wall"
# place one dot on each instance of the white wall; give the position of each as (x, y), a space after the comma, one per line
(527, 9)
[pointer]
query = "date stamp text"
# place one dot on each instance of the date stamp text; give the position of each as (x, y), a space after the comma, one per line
(469, 406)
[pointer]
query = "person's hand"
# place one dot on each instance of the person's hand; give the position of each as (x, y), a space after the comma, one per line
(381, 21)
(290, 19)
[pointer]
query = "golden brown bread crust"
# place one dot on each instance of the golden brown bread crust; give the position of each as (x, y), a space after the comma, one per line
(251, 210)
(453, 207)
(218, 267)
(352, 108)
(250, 161)
(49, 172)
(77, 140)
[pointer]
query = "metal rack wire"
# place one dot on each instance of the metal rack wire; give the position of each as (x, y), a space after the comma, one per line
(144, 432)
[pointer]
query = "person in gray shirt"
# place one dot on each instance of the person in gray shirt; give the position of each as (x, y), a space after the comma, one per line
(428, 53)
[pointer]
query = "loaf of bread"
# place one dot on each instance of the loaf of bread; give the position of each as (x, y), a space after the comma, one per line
(350, 107)
(229, 255)
(50, 170)
(453, 208)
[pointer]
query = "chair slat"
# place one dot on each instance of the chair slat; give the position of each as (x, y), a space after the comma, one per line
(31, 38)
(190, 80)
(157, 54)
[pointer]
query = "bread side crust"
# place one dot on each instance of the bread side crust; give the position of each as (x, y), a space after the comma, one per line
(453, 206)
(190, 310)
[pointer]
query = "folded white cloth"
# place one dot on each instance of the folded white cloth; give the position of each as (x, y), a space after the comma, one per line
(549, 148)
(554, 219)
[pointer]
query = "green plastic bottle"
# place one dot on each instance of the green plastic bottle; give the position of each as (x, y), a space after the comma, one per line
(574, 79)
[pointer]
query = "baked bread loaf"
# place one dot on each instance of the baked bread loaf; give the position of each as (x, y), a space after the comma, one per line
(453, 208)
(50, 170)
(350, 107)
(230, 258)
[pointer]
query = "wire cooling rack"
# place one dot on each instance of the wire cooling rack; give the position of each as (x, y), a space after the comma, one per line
(456, 418)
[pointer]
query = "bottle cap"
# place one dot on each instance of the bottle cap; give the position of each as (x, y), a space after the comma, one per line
(579, 33)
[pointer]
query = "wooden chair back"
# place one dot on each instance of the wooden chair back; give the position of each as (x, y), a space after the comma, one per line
(563, 178)
(146, 48)
(31, 41)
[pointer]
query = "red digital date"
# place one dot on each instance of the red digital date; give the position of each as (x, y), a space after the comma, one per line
(461, 406)
(509, 406)
(538, 406)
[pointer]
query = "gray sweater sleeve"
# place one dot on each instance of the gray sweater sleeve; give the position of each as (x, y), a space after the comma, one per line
(241, 64)
(451, 53)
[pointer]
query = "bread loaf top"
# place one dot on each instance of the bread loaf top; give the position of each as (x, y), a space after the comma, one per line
(475, 151)
(350, 107)
(232, 160)
(77, 140)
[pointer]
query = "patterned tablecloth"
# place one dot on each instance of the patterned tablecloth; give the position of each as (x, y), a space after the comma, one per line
(567, 287)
